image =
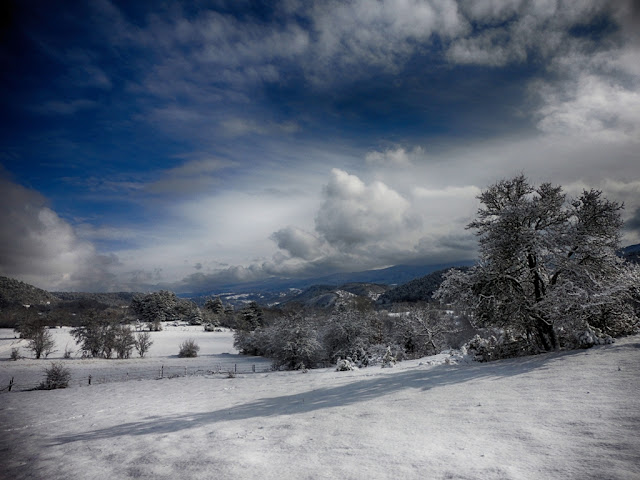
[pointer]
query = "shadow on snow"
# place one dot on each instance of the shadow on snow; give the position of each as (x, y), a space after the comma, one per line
(321, 398)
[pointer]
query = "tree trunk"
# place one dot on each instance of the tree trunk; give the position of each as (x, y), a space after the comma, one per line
(547, 335)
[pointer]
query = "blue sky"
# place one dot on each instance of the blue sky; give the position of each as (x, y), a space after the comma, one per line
(185, 145)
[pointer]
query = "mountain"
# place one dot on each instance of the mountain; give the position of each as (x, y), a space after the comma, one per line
(326, 296)
(15, 292)
(278, 290)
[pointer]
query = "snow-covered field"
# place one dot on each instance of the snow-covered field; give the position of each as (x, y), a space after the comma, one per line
(573, 415)
(216, 354)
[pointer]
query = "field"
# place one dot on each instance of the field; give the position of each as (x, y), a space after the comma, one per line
(570, 415)
(216, 354)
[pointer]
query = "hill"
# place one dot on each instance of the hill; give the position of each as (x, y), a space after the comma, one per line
(418, 290)
(117, 299)
(15, 292)
(327, 296)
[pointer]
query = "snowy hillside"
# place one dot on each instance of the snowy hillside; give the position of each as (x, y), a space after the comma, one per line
(569, 415)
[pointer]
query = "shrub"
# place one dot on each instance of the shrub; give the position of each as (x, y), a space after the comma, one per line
(15, 353)
(345, 365)
(67, 352)
(57, 376)
(189, 348)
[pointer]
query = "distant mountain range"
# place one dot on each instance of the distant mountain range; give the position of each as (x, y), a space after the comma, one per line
(282, 290)
(400, 283)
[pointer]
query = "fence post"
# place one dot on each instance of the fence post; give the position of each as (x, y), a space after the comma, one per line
(89, 379)
(11, 384)
(253, 367)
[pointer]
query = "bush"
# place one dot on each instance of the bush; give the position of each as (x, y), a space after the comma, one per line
(67, 352)
(498, 346)
(345, 365)
(57, 376)
(15, 353)
(189, 348)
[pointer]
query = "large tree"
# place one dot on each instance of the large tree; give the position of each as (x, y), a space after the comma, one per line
(548, 268)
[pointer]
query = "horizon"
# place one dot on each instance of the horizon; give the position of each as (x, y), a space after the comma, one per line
(184, 146)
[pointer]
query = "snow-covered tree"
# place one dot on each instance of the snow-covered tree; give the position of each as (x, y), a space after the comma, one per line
(425, 331)
(294, 342)
(155, 307)
(348, 334)
(548, 268)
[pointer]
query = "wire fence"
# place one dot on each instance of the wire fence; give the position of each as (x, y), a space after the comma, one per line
(84, 377)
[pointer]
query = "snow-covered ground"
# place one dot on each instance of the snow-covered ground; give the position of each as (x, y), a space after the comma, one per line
(572, 415)
(216, 354)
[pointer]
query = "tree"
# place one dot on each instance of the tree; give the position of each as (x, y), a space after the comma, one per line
(124, 341)
(91, 336)
(252, 317)
(155, 307)
(41, 342)
(33, 328)
(548, 267)
(294, 343)
(214, 305)
(348, 334)
(143, 343)
(425, 331)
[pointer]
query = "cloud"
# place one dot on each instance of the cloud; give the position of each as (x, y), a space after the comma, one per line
(591, 105)
(397, 157)
(298, 243)
(354, 213)
(39, 247)
(469, 191)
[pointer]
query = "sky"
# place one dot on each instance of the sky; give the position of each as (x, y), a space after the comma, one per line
(186, 145)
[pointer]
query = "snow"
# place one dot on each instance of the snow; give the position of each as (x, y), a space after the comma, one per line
(571, 415)
(216, 353)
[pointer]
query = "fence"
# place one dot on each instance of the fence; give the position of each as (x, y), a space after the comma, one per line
(85, 377)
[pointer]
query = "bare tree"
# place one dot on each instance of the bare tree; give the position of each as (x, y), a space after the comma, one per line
(41, 342)
(143, 343)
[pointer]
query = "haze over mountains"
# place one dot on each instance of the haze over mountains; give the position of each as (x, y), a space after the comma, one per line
(397, 284)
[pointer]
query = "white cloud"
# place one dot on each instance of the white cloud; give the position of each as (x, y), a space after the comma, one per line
(466, 192)
(354, 213)
(591, 105)
(39, 247)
